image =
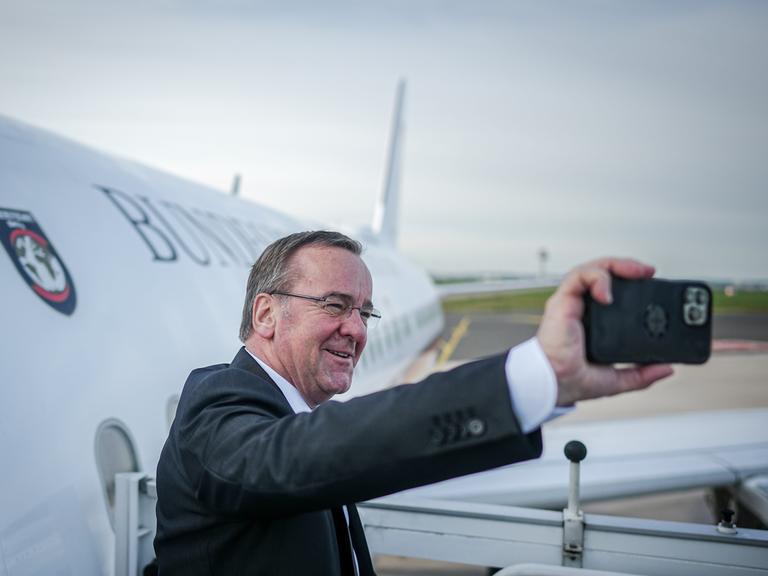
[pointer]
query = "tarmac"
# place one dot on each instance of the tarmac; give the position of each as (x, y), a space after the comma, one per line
(736, 376)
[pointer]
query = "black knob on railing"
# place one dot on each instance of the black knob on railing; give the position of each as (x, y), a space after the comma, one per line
(575, 451)
(726, 524)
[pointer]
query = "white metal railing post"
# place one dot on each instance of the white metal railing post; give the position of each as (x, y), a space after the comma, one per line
(126, 519)
(135, 522)
(573, 518)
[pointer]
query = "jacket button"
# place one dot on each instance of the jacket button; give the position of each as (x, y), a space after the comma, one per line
(476, 427)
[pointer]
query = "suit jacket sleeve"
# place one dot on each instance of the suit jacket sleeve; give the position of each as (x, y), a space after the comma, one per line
(245, 452)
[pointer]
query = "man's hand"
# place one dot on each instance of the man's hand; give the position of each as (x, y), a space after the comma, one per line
(561, 335)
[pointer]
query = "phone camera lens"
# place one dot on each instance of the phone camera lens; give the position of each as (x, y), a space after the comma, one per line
(694, 314)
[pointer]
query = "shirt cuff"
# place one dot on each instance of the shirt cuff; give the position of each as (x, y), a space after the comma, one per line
(532, 386)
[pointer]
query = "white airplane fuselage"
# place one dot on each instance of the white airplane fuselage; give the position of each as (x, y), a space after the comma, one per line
(117, 280)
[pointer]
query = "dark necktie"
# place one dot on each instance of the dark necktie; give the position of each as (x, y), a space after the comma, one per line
(364, 563)
(343, 541)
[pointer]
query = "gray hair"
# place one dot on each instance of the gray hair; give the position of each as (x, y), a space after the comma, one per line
(272, 271)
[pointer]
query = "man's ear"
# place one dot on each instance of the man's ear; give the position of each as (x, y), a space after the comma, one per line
(264, 315)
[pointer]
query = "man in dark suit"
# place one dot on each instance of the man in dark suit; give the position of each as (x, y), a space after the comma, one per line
(260, 473)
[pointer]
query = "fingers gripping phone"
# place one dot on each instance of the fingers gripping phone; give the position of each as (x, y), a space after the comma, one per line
(650, 321)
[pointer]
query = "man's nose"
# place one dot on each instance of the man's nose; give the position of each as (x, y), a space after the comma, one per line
(353, 325)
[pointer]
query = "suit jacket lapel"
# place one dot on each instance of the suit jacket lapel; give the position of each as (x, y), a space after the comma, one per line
(244, 361)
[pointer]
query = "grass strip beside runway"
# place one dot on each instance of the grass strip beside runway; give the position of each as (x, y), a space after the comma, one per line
(534, 300)
(528, 300)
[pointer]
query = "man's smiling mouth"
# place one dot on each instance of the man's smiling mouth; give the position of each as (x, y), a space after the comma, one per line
(339, 353)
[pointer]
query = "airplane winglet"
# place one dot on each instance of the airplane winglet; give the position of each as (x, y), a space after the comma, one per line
(385, 216)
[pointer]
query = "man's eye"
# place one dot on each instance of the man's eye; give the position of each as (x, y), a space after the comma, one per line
(366, 314)
(335, 308)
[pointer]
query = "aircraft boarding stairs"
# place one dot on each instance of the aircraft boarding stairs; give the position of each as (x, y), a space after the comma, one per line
(529, 542)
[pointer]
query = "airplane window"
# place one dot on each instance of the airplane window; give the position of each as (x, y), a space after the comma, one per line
(115, 452)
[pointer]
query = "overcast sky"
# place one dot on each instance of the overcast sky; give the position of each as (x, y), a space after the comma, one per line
(586, 127)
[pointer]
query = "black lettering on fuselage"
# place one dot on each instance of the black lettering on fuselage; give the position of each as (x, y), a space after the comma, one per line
(254, 246)
(263, 233)
(217, 238)
(156, 240)
(203, 258)
(171, 230)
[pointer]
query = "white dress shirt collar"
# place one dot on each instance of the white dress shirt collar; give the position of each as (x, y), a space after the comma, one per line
(289, 391)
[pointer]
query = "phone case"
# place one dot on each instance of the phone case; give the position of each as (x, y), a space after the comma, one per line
(650, 321)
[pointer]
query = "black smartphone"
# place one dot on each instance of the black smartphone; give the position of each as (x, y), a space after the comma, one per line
(650, 321)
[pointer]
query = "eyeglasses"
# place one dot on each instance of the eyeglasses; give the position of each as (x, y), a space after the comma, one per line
(339, 307)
